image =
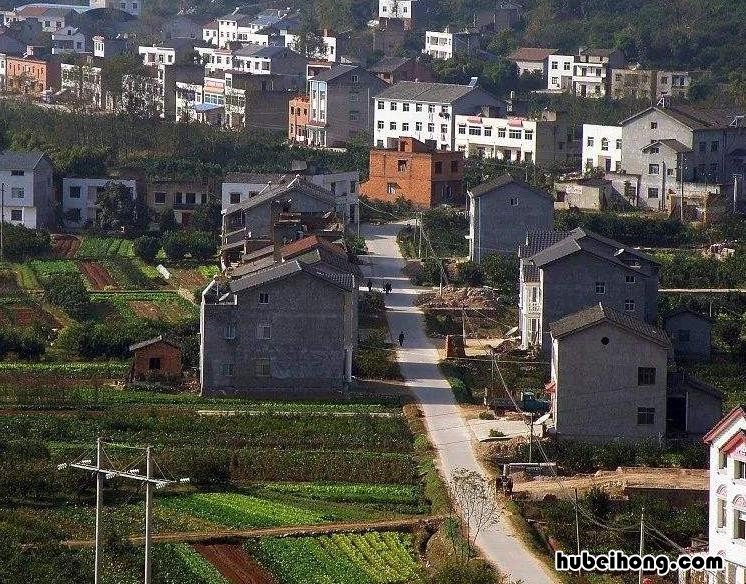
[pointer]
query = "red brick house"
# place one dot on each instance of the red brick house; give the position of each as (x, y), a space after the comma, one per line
(156, 358)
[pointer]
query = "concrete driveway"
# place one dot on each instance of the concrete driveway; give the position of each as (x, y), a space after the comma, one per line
(448, 431)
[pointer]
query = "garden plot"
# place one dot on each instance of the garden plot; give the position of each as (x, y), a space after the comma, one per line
(97, 275)
(65, 246)
(22, 312)
(97, 248)
(166, 307)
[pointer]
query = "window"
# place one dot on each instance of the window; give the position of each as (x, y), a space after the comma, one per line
(443, 128)
(405, 127)
(229, 333)
(392, 107)
(703, 146)
(629, 305)
(391, 188)
(380, 125)
(670, 171)
(462, 128)
(715, 146)
(513, 201)
(645, 416)
(418, 107)
(683, 335)
(646, 376)
(17, 173)
(226, 369)
(720, 513)
(600, 287)
(16, 193)
(262, 367)
(392, 125)
(528, 134)
(402, 165)
(501, 132)
(739, 469)
(74, 192)
(418, 126)
(160, 198)
(191, 198)
(653, 125)
(354, 116)
(154, 363)
(590, 141)
(264, 332)
(355, 79)
(604, 144)
(739, 525)
(619, 144)
(474, 131)
(431, 127)
(488, 130)
(514, 134)
(652, 193)
(431, 109)
(263, 298)
(555, 80)
(630, 279)
(380, 105)
(439, 167)
(654, 150)
(16, 215)
(405, 107)
(654, 169)
(454, 165)
(555, 64)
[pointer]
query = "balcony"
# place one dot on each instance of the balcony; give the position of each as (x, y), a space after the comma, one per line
(533, 307)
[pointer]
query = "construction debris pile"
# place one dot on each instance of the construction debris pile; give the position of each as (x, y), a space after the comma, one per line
(457, 298)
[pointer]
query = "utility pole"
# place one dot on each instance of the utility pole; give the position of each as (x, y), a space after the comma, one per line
(99, 505)
(642, 541)
(148, 512)
(419, 241)
(577, 521)
(2, 221)
(531, 438)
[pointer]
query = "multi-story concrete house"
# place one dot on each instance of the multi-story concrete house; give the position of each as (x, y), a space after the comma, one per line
(291, 328)
(690, 332)
(727, 517)
(239, 187)
(298, 119)
(395, 69)
(334, 45)
(426, 111)
(408, 11)
(451, 42)
(79, 198)
(236, 26)
(83, 81)
(602, 147)
(546, 139)
(210, 33)
(560, 72)
(69, 39)
(181, 198)
(31, 75)
(169, 52)
(51, 17)
(531, 60)
(591, 193)
(182, 27)
(501, 214)
(562, 275)
(105, 47)
(592, 71)
(649, 84)
(662, 144)
(133, 7)
(341, 105)
(27, 183)
(417, 173)
(608, 376)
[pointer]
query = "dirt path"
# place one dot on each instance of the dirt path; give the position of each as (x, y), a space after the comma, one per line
(97, 275)
(65, 246)
(226, 536)
(617, 481)
(235, 563)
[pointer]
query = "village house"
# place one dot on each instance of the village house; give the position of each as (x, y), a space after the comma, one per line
(690, 332)
(449, 43)
(340, 105)
(544, 139)
(602, 148)
(291, 328)
(344, 186)
(395, 69)
(649, 84)
(407, 11)
(82, 81)
(181, 198)
(156, 359)
(593, 194)
(610, 380)
(31, 75)
(502, 212)
(169, 52)
(28, 194)
(592, 71)
(531, 60)
(416, 172)
(562, 275)
(426, 111)
(727, 516)
(79, 198)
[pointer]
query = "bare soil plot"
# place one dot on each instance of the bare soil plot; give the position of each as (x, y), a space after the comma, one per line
(64, 245)
(97, 275)
(235, 564)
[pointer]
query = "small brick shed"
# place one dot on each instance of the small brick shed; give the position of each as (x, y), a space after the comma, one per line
(156, 358)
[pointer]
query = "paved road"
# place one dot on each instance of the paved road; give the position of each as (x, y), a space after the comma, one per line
(448, 432)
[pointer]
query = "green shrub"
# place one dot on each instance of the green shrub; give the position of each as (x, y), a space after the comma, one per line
(175, 245)
(68, 291)
(147, 247)
(500, 271)
(461, 392)
(111, 340)
(21, 243)
(469, 274)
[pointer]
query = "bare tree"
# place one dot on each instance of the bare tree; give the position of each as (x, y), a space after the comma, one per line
(477, 504)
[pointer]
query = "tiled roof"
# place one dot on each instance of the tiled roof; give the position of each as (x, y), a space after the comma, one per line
(530, 54)
(539, 241)
(696, 118)
(674, 145)
(11, 160)
(389, 64)
(725, 422)
(680, 381)
(297, 183)
(428, 92)
(503, 181)
(686, 310)
(267, 52)
(152, 341)
(597, 52)
(279, 271)
(334, 72)
(256, 178)
(308, 243)
(530, 273)
(598, 313)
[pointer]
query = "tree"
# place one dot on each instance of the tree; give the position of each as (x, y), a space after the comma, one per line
(207, 217)
(113, 72)
(69, 293)
(147, 247)
(117, 208)
(167, 221)
(476, 502)
(308, 42)
(500, 272)
(175, 245)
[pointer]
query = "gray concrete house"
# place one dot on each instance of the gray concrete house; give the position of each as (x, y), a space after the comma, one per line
(690, 332)
(608, 376)
(27, 180)
(610, 380)
(502, 212)
(579, 271)
(291, 327)
(662, 144)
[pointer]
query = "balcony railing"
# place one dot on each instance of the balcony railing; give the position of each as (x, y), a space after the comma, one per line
(533, 307)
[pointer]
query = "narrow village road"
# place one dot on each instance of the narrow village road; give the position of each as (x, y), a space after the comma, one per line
(447, 429)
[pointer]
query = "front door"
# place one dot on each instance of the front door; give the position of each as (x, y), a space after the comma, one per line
(676, 415)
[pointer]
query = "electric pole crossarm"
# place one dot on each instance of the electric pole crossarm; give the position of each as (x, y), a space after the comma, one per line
(111, 473)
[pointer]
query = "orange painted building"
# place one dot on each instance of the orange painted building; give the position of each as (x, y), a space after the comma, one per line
(31, 75)
(298, 119)
(417, 173)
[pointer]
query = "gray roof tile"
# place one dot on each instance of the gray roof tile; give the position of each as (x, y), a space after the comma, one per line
(503, 181)
(428, 92)
(13, 160)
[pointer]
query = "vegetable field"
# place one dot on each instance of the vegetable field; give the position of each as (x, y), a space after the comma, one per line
(346, 492)
(47, 269)
(99, 248)
(166, 307)
(373, 558)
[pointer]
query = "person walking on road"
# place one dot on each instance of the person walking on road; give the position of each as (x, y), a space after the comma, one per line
(389, 287)
(370, 285)
(401, 338)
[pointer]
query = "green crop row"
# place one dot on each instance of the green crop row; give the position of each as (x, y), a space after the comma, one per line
(75, 370)
(47, 269)
(347, 492)
(373, 558)
(97, 248)
(128, 274)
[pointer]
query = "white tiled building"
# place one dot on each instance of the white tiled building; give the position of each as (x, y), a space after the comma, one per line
(446, 44)
(602, 147)
(559, 72)
(79, 197)
(727, 517)
(27, 181)
(426, 111)
(395, 8)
